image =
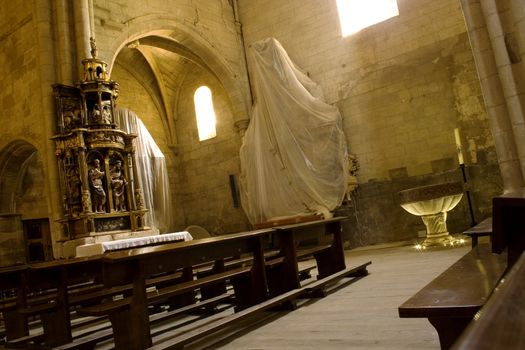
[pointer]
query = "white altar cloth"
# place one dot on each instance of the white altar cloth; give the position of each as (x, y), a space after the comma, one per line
(101, 247)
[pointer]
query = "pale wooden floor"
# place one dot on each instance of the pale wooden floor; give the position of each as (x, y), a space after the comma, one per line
(360, 315)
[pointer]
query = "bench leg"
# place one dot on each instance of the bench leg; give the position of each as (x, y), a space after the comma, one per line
(218, 288)
(15, 325)
(333, 260)
(131, 327)
(57, 327)
(185, 299)
(128, 334)
(284, 277)
(449, 329)
(241, 288)
(57, 322)
(215, 289)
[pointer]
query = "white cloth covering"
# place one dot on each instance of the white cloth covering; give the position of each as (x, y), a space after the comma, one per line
(294, 157)
(102, 247)
(152, 171)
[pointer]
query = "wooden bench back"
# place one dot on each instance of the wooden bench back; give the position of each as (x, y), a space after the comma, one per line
(121, 266)
(501, 321)
(508, 225)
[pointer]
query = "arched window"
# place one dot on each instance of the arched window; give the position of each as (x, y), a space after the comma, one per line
(355, 15)
(205, 113)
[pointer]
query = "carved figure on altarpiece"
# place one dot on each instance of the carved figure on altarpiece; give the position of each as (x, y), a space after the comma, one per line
(106, 113)
(118, 185)
(73, 190)
(98, 194)
(96, 115)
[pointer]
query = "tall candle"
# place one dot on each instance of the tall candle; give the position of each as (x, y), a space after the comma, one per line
(458, 146)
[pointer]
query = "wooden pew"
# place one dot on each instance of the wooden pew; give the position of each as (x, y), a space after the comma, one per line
(508, 226)
(481, 272)
(276, 250)
(284, 285)
(500, 323)
(129, 316)
(58, 296)
(328, 251)
(484, 228)
(53, 308)
(131, 271)
(11, 278)
(47, 290)
(79, 295)
(90, 340)
(451, 300)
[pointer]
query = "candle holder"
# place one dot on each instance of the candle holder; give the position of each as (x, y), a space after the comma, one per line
(461, 161)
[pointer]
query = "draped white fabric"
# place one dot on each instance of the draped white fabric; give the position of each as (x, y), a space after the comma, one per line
(152, 170)
(294, 157)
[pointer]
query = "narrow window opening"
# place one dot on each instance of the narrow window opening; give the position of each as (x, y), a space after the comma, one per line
(355, 15)
(205, 113)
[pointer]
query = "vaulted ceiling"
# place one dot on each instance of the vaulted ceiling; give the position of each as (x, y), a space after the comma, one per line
(161, 64)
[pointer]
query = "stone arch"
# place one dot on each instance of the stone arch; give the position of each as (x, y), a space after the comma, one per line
(14, 161)
(173, 30)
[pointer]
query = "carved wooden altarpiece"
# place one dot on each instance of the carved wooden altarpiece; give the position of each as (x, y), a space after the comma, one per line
(98, 176)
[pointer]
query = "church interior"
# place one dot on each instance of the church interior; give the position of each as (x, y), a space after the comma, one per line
(168, 158)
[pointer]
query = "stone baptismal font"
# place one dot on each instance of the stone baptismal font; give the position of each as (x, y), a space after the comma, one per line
(432, 203)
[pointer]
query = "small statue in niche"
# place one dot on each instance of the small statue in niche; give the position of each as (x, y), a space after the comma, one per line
(72, 119)
(106, 114)
(96, 116)
(118, 186)
(93, 45)
(73, 180)
(98, 194)
(138, 198)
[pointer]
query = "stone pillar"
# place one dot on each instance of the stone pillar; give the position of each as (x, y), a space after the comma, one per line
(510, 76)
(82, 32)
(47, 71)
(64, 54)
(517, 9)
(491, 85)
(241, 118)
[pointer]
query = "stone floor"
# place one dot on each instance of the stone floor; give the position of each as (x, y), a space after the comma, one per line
(359, 315)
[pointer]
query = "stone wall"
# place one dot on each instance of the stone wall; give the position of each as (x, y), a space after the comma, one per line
(198, 171)
(12, 244)
(24, 130)
(205, 166)
(376, 216)
(402, 86)
(205, 28)
(134, 96)
(20, 75)
(161, 92)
